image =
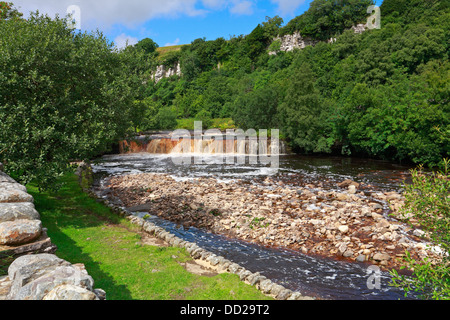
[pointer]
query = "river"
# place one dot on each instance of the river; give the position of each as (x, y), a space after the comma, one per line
(319, 277)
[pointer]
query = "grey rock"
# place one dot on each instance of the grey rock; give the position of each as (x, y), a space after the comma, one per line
(277, 289)
(295, 296)
(100, 293)
(266, 286)
(29, 268)
(244, 274)
(347, 254)
(19, 231)
(213, 260)
(12, 186)
(284, 294)
(418, 233)
(5, 178)
(196, 254)
(361, 258)
(12, 195)
(70, 292)
(234, 267)
(18, 211)
(381, 257)
(63, 275)
(254, 279)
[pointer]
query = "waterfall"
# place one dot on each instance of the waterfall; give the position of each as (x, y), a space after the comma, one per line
(231, 145)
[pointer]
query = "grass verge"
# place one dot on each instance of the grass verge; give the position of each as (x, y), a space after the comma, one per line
(87, 232)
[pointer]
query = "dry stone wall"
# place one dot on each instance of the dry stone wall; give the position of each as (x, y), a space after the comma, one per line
(34, 272)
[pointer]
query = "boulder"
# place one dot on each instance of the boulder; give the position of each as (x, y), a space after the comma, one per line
(347, 183)
(381, 257)
(36, 277)
(5, 178)
(18, 211)
(28, 268)
(63, 275)
(19, 232)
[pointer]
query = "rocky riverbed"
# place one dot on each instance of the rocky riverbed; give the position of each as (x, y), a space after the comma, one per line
(346, 221)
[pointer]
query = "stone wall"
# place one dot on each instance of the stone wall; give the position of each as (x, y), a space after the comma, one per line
(21, 230)
(209, 259)
(34, 272)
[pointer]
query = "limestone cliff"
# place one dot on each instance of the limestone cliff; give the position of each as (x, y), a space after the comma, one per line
(163, 71)
(290, 42)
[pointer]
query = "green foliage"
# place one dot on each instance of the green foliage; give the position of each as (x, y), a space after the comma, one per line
(257, 109)
(147, 45)
(303, 114)
(205, 117)
(428, 205)
(63, 96)
(166, 119)
(383, 93)
(7, 11)
(328, 18)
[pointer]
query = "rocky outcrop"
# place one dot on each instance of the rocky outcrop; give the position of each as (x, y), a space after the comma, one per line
(290, 42)
(166, 72)
(34, 273)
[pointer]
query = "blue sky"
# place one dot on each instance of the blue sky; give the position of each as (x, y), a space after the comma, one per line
(170, 22)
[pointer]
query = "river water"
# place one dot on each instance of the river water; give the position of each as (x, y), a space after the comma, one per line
(319, 277)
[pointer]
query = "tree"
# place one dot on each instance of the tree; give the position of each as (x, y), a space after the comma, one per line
(64, 96)
(147, 45)
(272, 26)
(7, 11)
(205, 118)
(427, 205)
(302, 114)
(328, 18)
(166, 119)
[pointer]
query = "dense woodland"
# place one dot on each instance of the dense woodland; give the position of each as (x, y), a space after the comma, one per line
(384, 94)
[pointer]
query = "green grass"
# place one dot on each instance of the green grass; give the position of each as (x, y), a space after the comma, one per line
(87, 232)
(222, 124)
(163, 51)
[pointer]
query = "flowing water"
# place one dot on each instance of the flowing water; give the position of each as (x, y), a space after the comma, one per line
(318, 277)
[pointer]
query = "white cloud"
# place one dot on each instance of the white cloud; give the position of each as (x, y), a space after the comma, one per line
(105, 13)
(176, 42)
(238, 7)
(122, 41)
(242, 7)
(215, 4)
(288, 7)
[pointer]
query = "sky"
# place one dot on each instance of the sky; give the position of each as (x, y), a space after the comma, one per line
(169, 22)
